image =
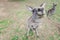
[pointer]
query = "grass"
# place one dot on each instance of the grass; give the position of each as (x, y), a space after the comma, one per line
(31, 33)
(15, 37)
(25, 37)
(24, 14)
(51, 38)
(4, 24)
(57, 36)
(17, 0)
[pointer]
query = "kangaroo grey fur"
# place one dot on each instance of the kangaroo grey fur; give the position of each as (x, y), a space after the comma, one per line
(52, 10)
(34, 20)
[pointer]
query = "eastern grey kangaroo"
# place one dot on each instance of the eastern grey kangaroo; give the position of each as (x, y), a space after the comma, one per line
(34, 20)
(52, 10)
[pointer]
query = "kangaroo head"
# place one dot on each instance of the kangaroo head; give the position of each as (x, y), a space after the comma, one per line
(54, 4)
(37, 11)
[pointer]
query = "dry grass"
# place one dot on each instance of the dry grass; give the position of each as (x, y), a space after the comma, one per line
(13, 18)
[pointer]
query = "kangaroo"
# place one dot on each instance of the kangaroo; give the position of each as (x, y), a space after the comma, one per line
(34, 20)
(52, 10)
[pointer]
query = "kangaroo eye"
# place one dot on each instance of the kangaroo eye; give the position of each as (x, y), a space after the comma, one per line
(39, 10)
(32, 10)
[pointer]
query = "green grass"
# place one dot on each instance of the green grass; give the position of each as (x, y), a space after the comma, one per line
(24, 14)
(31, 33)
(25, 37)
(3, 24)
(15, 37)
(51, 37)
(57, 35)
(17, 0)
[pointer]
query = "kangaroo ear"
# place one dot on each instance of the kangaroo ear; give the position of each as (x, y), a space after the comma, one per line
(30, 8)
(43, 5)
(55, 4)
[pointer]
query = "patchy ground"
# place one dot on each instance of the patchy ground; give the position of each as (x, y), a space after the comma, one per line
(14, 15)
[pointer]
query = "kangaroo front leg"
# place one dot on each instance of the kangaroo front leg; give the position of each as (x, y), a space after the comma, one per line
(28, 31)
(36, 32)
